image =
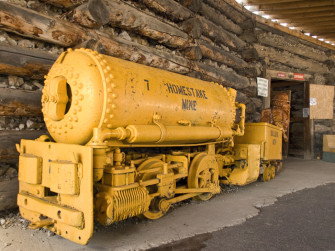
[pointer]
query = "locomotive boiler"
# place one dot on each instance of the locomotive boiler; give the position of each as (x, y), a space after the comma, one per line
(131, 140)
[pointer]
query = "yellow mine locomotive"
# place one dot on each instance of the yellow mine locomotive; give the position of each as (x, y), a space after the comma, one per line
(130, 140)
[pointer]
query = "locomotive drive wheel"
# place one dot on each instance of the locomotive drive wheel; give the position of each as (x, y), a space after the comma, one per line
(269, 172)
(158, 206)
(203, 173)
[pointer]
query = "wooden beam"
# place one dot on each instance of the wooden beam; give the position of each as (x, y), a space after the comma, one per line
(219, 35)
(92, 14)
(282, 75)
(312, 24)
(64, 3)
(32, 24)
(260, 21)
(8, 139)
(290, 59)
(170, 8)
(290, 44)
(25, 22)
(294, 5)
(228, 10)
(14, 102)
(23, 62)
(305, 20)
(218, 55)
(193, 5)
(8, 194)
(313, 28)
(255, 2)
(129, 18)
(318, 14)
(216, 17)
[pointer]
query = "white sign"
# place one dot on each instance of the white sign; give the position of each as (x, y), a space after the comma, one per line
(312, 101)
(262, 87)
(305, 112)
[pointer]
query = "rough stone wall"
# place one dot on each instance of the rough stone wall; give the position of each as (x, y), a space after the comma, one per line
(210, 39)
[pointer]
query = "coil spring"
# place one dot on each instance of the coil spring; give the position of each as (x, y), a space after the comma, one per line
(130, 202)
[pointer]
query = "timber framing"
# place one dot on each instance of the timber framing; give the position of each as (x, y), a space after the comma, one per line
(296, 14)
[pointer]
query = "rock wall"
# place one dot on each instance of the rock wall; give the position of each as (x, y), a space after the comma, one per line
(211, 39)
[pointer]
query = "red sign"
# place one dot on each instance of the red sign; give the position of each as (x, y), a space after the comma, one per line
(281, 75)
(298, 76)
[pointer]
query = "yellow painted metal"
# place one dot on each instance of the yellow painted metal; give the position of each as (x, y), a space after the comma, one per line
(52, 210)
(269, 171)
(31, 169)
(65, 177)
(108, 93)
(266, 135)
(65, 193)
(110, 104)
(204, 173)
(247, 163)
(112, 204)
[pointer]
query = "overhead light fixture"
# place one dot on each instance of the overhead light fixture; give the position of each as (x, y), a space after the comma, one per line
(307, 34)
(266, 16)
(283, 24)
(314, 36)
(321, 39)
(275, 20)
(248, 7)
(291, 28)
(327, 42)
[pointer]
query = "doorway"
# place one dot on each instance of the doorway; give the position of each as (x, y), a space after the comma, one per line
(299, 131)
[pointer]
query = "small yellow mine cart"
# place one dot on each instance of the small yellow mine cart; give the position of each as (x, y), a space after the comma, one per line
(268, 136)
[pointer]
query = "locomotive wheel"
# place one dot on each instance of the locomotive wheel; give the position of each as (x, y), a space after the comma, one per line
(158, 206)
(203, 173)
(268, 173)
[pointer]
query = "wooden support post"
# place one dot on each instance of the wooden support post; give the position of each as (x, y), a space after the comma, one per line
(308, 127)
